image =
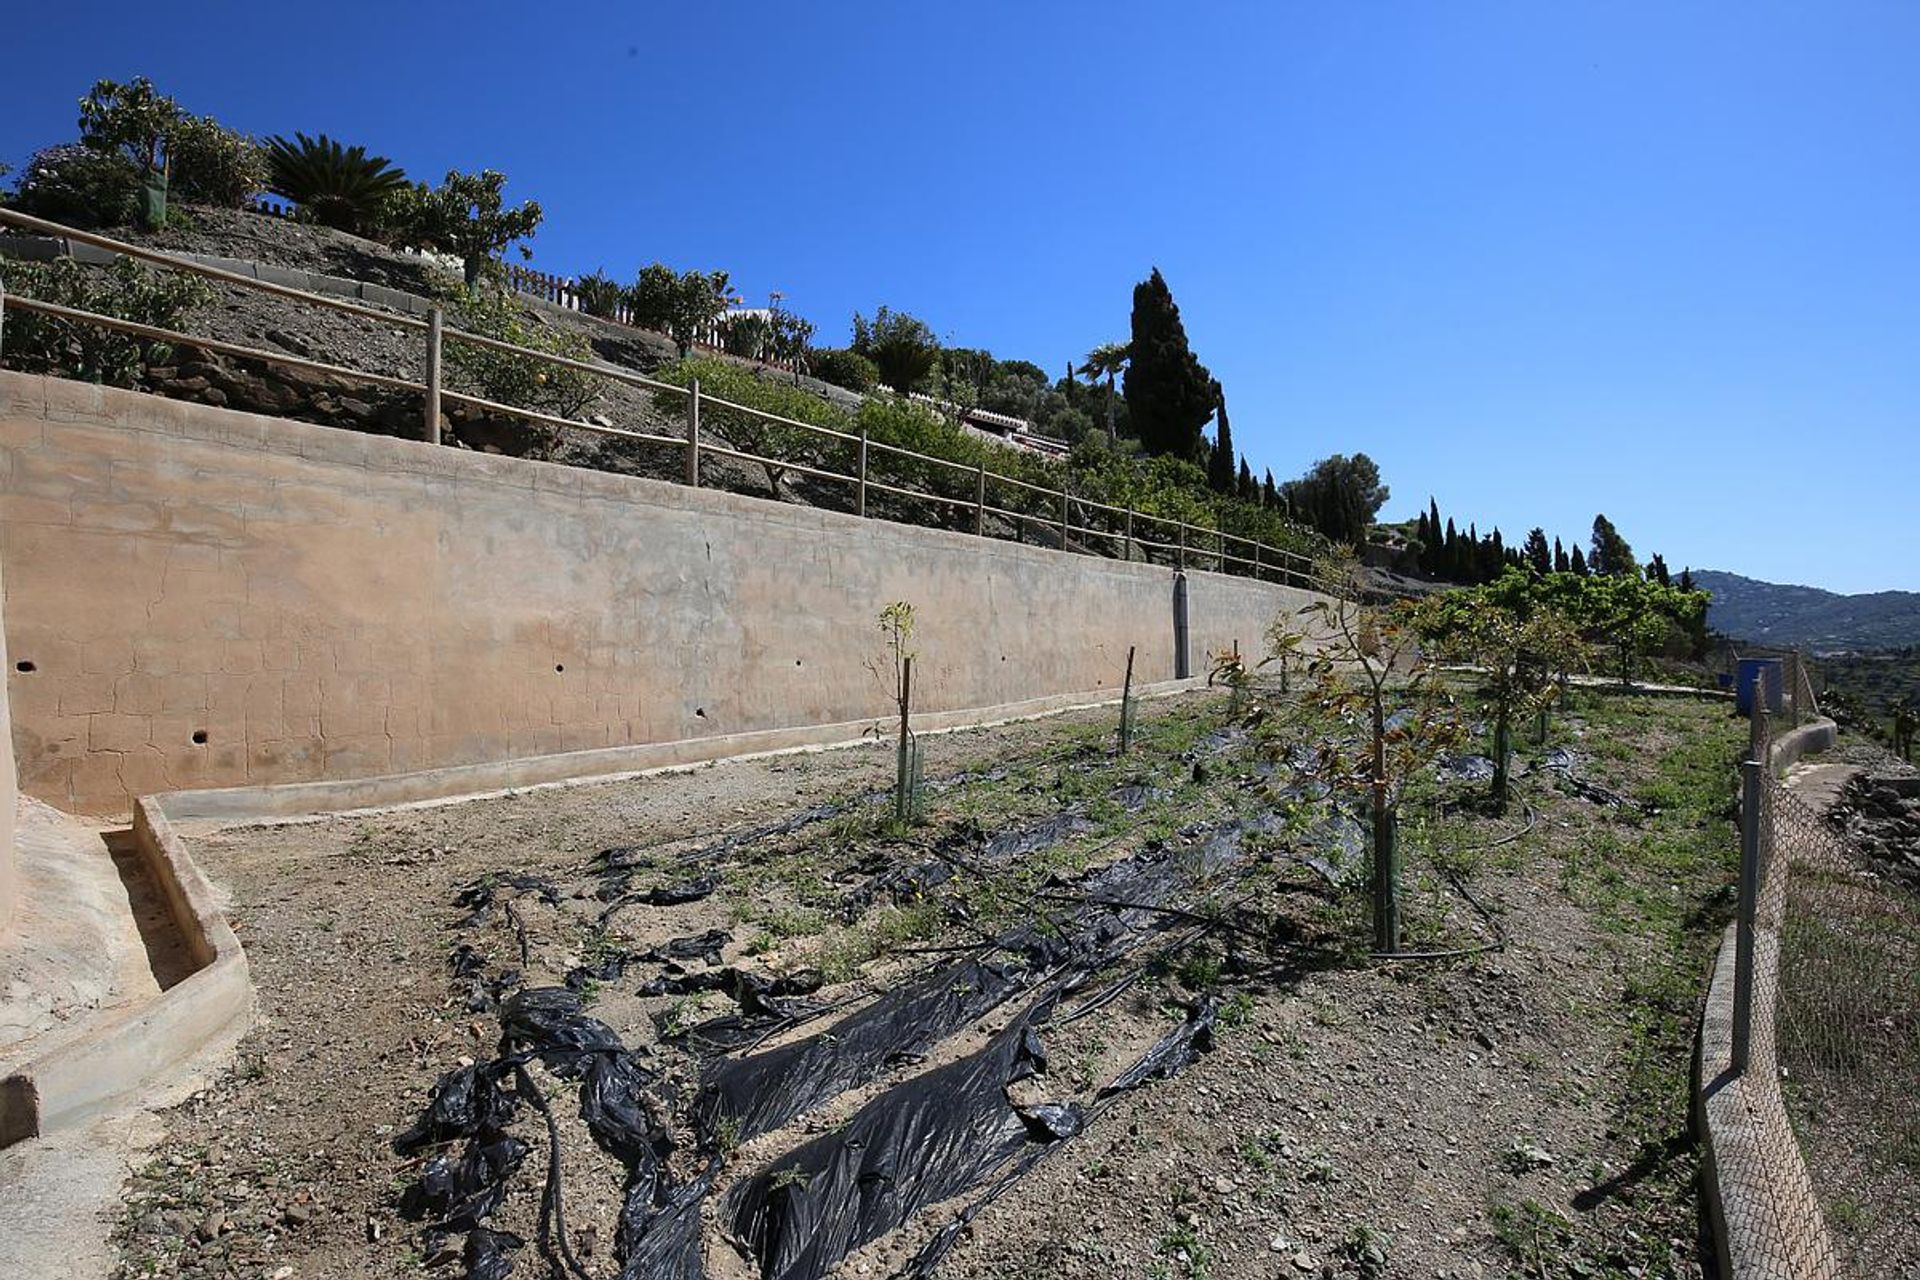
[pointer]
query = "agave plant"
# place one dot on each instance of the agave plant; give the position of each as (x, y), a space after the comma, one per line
(339, 187)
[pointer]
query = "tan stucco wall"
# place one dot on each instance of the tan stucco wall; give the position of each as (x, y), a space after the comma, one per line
(323, 604)
(9, 790)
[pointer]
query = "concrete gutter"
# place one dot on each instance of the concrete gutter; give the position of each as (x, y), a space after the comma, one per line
(113, 1061)
(239, 805)
(115, 1058)
(1766, 1220)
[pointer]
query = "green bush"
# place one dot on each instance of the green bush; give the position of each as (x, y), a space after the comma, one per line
(775, 440)
(214, 165)
(680, 304)
(521, 381)
(126, 291)
(79, 186)
(844, 368)
(1163, 487)
(336, 186)
(599, 294)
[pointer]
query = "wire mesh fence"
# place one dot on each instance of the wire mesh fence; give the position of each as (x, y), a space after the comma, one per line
(1831, 1051)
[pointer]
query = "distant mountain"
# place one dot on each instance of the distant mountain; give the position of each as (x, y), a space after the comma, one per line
(1807, 617)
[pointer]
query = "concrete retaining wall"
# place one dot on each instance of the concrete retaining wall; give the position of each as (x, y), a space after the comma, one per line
(9, 793)
(211, 599)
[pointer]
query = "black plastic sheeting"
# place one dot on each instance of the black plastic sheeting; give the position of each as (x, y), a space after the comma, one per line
(762, 1091)
(921, 1142)
(622, 1104)
(1173, 1052)
(929, 1138)
(926, 1140)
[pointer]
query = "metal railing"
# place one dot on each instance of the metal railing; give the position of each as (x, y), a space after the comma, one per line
(1096, 525)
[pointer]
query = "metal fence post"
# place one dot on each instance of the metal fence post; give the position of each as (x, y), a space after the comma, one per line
(1129, 543)
(980, 501)
(1752, 783)
(860, 492)
(435, 319)
(693, 434)
(1793, 684)
(1256, 559)
(1180, 561)
(1064, 505)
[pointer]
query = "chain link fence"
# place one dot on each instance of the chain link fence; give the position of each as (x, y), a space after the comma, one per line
(1827, 1025)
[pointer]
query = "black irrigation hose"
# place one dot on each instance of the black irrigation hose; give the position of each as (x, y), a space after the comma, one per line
(553, 1217)
(1510, 837)
(520, 931)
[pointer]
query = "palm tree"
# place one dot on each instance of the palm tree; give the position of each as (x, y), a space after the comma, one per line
(1107, 361)
(339, 187)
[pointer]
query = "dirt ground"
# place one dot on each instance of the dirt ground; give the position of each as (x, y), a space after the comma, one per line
(1514, 1111)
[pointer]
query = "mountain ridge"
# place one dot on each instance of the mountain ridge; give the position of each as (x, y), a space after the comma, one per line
(1809, 617)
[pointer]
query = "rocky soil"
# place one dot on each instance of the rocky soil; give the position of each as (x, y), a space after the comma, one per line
(1507, 1112)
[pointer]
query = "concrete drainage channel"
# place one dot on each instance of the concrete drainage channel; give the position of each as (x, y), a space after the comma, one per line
(113, 1059)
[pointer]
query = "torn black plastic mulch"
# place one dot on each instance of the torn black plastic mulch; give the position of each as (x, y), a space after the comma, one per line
(925, 1140)
(1173, 1052)
(1119, 903)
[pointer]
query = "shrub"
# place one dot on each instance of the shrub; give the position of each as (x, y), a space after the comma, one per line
(746, 337)
(600, 294)
(335, 186)
(844, 368)
(518, 380)
(214, 165)
(901, 346)
(79, 186)
(126, 291)
(465, 215)
(778, 441)
(680, 304)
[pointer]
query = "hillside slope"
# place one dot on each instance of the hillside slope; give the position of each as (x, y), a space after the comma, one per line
(1772, 613)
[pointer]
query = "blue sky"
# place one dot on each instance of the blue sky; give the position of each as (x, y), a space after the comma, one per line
(1539, 260)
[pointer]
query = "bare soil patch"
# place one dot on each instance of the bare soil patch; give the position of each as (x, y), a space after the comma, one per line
(1517, 1111)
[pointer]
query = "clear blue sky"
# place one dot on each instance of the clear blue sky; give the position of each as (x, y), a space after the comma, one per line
(1656, 259)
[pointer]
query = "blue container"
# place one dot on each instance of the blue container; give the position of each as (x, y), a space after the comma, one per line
(1769, 677)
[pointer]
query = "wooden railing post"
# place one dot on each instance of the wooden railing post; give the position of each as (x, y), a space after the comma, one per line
(1256, 559)
(860, 492)
(434, 322)
(1065, 507)
(1180, 561)
(980, 501)
(1127, 550)
(693, 434)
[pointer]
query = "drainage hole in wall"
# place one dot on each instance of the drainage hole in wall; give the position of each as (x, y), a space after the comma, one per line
(199, 737)
(23, 665)
(796, 662)
(559, 666)
(701, 712)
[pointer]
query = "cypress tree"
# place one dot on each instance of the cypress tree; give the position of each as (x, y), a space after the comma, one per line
(1560, 563)
(1169, 393)
(1535, 553)
(1579, 563)
(1686, 579)
(1269, 495)
(1248, 490)
(1657, 570)
(1220, 463)
(1610, 555)
(1423, 533)
(1449, 554)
